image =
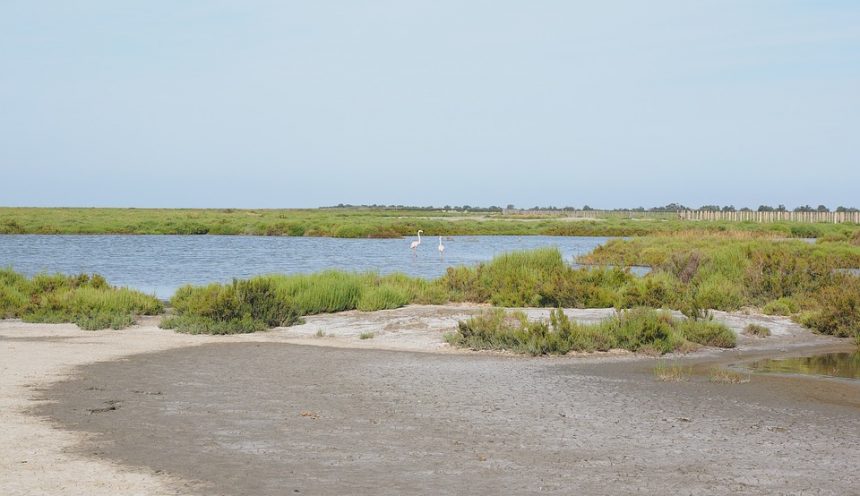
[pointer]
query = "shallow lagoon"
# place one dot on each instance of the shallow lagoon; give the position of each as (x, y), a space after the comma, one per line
(160, 264)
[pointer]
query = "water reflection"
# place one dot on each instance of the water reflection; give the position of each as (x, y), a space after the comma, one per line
(846, 365)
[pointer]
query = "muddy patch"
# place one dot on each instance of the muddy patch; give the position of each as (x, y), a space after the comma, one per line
(269, 418)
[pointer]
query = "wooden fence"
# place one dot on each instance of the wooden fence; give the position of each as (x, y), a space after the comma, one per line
(701, 215)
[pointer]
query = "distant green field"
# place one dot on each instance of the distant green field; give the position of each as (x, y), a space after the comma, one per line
(370, 223)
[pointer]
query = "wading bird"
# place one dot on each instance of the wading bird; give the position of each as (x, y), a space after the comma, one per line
(415, 244)
(441, 247)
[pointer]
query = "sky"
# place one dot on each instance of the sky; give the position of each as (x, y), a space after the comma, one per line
(277, 104)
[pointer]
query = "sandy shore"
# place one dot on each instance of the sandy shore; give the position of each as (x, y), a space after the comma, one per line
(39, 457)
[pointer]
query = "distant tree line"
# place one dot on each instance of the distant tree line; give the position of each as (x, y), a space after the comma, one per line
(671, 207)
(454, 208)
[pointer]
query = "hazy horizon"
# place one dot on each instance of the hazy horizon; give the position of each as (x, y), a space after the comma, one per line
(288, 104)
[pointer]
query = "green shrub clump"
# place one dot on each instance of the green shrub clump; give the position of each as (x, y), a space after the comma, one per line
(536, 278)
(241, 307)
(86, 300)
(638, 329)
(264, 302)
(838, 309)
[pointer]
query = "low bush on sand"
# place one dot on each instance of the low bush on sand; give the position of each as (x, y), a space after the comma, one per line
(264, 302)
(243, 306)
(86, 300)
(639, 329)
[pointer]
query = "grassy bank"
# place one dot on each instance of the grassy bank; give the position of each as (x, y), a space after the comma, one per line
(641, 330)
(88, 301)
(269, 301)
(691, 273)
(368, 223)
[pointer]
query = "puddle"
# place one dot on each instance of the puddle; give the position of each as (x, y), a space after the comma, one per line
(843, 365)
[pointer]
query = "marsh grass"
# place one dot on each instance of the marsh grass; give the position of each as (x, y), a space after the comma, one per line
(535, 278)
(756, 330)
(667, 372)
(783, 277)
(725, 376)
(86, 300)
(640, 329)
(376, 223)
(263, 302)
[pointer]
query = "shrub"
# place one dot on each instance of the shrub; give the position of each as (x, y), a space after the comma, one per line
(781, 306)
(193, 324)
(805, 231)
(708, 333)
(838, 310)
(719, 293)
(654, 290)
(243, 306)
(535, 278)
(86, 300)
(636, 330)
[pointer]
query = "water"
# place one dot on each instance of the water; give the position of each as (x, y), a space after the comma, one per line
(160, 264)
(845, 365)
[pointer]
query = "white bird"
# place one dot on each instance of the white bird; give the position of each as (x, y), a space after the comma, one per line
(441, 247)
(415, 244)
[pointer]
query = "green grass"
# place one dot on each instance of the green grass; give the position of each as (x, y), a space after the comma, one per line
(370, 223)
(640, 330)
(366, 335)
(88, 301)
(281, 300)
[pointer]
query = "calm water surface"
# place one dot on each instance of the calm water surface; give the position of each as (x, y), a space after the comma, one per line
(160, 264)
(845, 365)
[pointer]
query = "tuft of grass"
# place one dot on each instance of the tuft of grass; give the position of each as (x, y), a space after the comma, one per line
(320, 333)
(671, 372)
(725, 376)
(640, 329)
(366, 335)
(756, 330)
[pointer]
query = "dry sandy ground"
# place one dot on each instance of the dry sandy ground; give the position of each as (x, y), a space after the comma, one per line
(386, 422)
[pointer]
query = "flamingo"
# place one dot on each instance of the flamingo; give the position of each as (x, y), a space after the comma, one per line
(441, 247)
(415, 244)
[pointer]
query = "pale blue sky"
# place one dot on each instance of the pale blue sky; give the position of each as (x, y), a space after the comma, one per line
(290, 104)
